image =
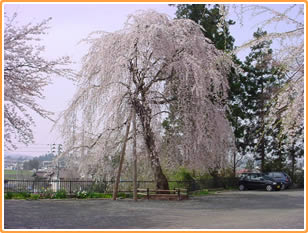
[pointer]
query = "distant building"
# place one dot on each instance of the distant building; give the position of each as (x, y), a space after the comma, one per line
(41, 175)
(47, 165)
(57, 179)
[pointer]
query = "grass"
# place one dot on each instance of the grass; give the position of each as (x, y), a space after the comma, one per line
(58, 195)
(34, 196)
(63, 195)
(203, 192)
(17, 174)
(21, 195)
(100, 195)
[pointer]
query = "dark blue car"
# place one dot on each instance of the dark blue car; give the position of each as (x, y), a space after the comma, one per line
(281, 177)
(258, 181)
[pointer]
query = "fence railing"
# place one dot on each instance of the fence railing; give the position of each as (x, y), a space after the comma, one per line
(73, 186)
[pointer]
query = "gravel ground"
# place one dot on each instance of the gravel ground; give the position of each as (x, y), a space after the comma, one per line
(226, 210)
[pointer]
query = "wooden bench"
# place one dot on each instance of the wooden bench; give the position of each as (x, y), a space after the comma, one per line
(153, 194)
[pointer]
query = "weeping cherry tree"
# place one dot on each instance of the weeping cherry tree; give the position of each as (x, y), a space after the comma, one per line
(135, 69)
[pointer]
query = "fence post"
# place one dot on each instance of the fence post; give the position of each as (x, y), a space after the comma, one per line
(70, 187)
(179, 194)
(148, 193)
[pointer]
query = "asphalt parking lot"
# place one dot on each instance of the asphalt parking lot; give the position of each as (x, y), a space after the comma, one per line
(226, 210)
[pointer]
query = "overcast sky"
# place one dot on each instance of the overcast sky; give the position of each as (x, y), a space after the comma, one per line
(71, 23)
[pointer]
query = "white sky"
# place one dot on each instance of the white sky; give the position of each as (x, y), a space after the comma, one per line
(70, 24)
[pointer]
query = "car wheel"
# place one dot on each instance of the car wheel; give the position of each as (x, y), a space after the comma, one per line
(269, 188)
(283, 186)
(241, 187)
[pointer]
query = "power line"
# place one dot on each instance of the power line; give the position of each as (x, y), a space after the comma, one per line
(45, 144)
(29, 148)
(45, 151)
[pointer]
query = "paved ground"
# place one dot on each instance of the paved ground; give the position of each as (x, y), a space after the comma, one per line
(227, 210)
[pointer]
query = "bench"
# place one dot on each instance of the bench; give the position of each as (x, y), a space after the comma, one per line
(154, 194)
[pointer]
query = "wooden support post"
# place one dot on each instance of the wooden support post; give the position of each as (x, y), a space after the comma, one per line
(134, 156)
(148, 193)
(70, 187)
(116, 185)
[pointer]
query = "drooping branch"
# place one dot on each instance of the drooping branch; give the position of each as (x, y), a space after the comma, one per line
(153, 64)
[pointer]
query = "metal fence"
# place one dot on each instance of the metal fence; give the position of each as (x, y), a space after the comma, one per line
(73, 186)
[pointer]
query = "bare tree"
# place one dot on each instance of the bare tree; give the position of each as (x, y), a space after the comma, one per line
(135, 68)
(26, 73)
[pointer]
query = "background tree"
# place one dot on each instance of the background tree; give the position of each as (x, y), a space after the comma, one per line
(31, 164)
(216, 28)
(262, 77)
(213, 21)
(250, 165)
(295, 152)
(136, 68)
(237, 114)
(26, 73)
(289, 100)
(284, 116)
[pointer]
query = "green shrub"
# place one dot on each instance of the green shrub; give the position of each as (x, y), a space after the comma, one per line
(299, 179)
(47, 193)
(34, 196)
(8, 195)
(24, 195)
(82, 194)
(93, 195)
(60, 194)
(122, 195)
(100, 187)
(184, 176)
(19, 196)
(106, 195)
(100, 195)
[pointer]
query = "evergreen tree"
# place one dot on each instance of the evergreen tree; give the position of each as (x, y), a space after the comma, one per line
(294, 152)
(262, 78)
(251, 92)
(277, 161)
(237, 115)
(216, 28)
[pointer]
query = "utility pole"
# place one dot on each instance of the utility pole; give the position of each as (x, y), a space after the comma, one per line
(53, 150)
(59, 152)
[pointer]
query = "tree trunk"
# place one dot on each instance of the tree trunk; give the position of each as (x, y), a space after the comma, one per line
(116, 185)
(144, 113)
(159, 176)
(293, 162)
(262, 116)
(262, 154)
(234, 164)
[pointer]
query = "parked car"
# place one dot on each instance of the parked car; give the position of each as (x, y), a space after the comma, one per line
(258, 181)
(281, 177)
